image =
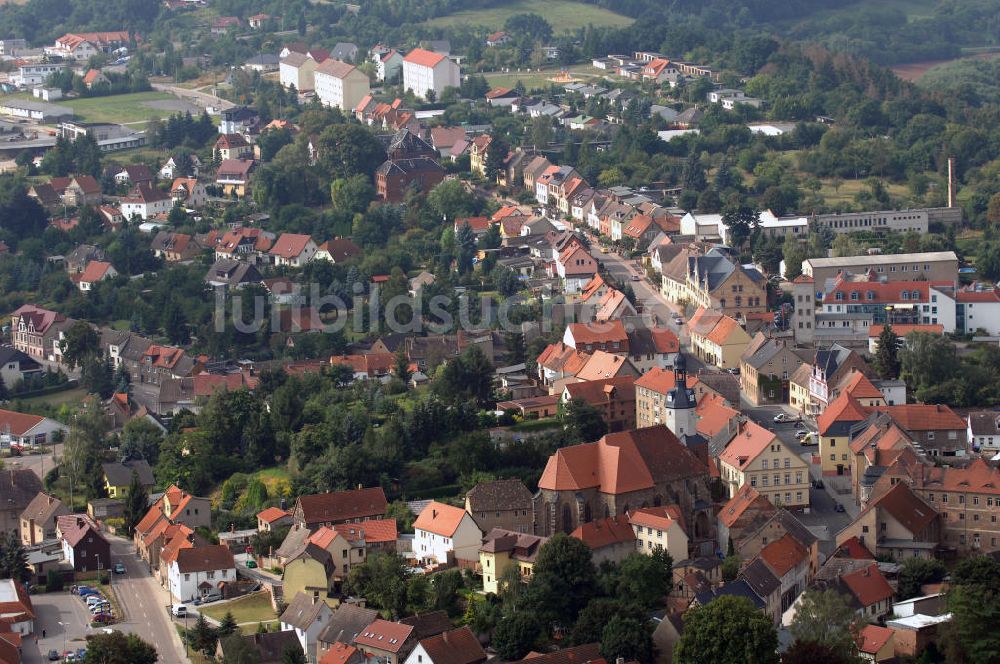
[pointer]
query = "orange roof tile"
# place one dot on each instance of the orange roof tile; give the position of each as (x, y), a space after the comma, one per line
(843, 409)
(783, 555)
(373, 531)
(868, 585)
(595, 333)
(602, 365)
(723, 330)
(872, 638)
(923, 417)
(439, 519)
(712, 412)
(874, 331)
(858, 386)
(423, 57)
(272, 514)
(745, 498)
(661, 518)
(746, 445)
(605, 532)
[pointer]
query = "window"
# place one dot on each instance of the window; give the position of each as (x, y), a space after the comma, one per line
(944, 498)
(788, 462)
(187, 577)
(777, 480)
(854, 295)
(763, 464)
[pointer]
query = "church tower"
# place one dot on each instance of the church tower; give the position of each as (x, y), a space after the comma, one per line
(680, 415)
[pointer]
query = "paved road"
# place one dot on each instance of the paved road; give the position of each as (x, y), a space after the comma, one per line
(39, 463)
(144, 604)
(202, 99)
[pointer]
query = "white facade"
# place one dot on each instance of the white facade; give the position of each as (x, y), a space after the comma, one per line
(184, 585)
(421, 78)
(40, 434)
(701, 226)
(387, 66)
(341, 91)
(310, 635)
(145, 210)
(297, 72)
(35, 73)
(464, 543)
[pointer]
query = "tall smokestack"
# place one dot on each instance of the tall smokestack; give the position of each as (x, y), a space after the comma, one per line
(951, 182)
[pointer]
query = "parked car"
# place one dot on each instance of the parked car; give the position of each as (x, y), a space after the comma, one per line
(808, 439)
(179, 610)
(119, 568)
(103, 607)
(251, 564)
(85, 590)
(103, 618)
(53, 655)
(781, 417)
(838, 508)
(636, 277)
(678, 320)
(801, 434)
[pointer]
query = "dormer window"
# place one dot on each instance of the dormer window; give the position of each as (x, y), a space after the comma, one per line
(905, 295)
(839, 297)
(854, 295)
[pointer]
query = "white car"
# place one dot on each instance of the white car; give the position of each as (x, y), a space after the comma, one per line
(179, 610)
(781, 417)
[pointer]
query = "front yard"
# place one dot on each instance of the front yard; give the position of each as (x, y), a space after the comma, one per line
(253, 608)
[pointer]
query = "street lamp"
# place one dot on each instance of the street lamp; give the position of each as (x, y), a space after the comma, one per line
(64, 626)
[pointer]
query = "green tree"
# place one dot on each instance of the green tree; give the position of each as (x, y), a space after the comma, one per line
(80, 343)
(445, 589)
(886, 360)
(13, 558)
(136, 504)
(629, 637)
(4, 392)
(238, 651)
(293, 655)
(515, 635)
(728, 629)
(84, 444)
(825, 617)
(810, 652)
(927, 360)
(693, 175)
(645, 580)
(496, 153)
(201, 636)
(352, 195)
(346, 150)
(227, 626)
(381, 580)
(742, 221)
(117, 648)
(974, 602)
(542, 133)
(465, 248)
(98, 376)
(582, 421)
(141, 440)
(564, 580)
(793, 252)
(915, 573)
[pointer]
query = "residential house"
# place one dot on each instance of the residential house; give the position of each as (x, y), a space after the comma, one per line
(610, 539)
(780, 523)
(95, 272)
(660, 528)
(394, 177)
(293, 250)
(790, 562)
(233, 175)
(26, 430)
(16, 367)
(444, 534)
(144, 201)
(232, 146)
(306, 615)
(348, 620)
(199, 571)
(19, 619)
(602, 366)
(33, 329)
(609, 336)
(188, 192)
(620, 472)
(134, 175)
(757, 457)
(386, 641)
(388, 64)
(80, 190)
(296, 70)
(765, 368)
(118, 476)
(834, 427)
(869, 591)
(875, 644)
(502, 548)
(84, 547)
(310, 569)
(174, 247)
(231, 273)
(328, 509)
(898, 523)
(560, 361)
(758, 575)
(38, 520)
(223, 24)
(742, 516)
(337, 250)
(653, 348)
(716, 281)
(934, 427)
(717, 339)
(428, 72)
(456, 646)
(340, 85)
(613, 398)
(875, 445)
(504, 504)
(478, 149)
(171, 170)
(272, 518)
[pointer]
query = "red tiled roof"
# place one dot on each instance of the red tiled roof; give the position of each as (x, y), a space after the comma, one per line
(843, 409)
(906, 507)
(923, 417)
(595, 333)
(746, 445)
(723, 330)
(339, 653)
(874, 331)
(18, 423)
(888, 292)
(290, 245)
(209, 558)
(374, 531)
(713, 413)
(854, 549)
(605, 532)
(272, 514)
(75, 526)
(342, 505)
(858, 386)
(872, 638)
(977, 296)
(95, 271)
(783, 555)
(384, 635)
(456, 646)
(423, 57)
(440, 519)
(737, 506)
(868, 585)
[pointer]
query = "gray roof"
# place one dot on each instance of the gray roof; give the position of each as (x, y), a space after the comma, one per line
(232, 272)
(120, 474)
(294, 541)
(270, 646)
(302, 611)
(499, 495)
(760, 578)
(344, 51)
(347, 622)
(428, 624)
(711, 269)
(9, 355)
(830, 359)
(985, 423)
(18, 488)
(265, 59)
(43, 508)
(738, 588)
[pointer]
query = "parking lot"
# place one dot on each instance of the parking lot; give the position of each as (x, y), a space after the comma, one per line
(66, 623)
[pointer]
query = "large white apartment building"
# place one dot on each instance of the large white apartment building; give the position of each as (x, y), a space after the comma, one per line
(425, 70)
(340, 84)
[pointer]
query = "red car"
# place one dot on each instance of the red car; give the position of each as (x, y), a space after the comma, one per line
(103, 618)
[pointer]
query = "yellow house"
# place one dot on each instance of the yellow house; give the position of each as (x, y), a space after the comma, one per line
(478, 150)
(503, 548)
(717, 339)
(834, 428)
(118, 477)
(309, 570)
(660, 528)
(798, 388)
(757, 457)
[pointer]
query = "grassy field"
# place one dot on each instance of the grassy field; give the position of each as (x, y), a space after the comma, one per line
(131, 108)
(251, 608)
(563, 15)
(848, 188)
(56, 399)
(539, 78)
(274, 478)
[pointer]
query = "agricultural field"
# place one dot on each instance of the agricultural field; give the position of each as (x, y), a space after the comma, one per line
(563, 15)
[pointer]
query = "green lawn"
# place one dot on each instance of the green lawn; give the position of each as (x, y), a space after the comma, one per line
(563, 15)
(136, 107)
(251, 608)
(56, 399)
(848, 188)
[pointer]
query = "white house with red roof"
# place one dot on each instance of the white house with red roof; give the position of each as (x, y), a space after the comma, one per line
(16, 609)
(144, 202)
(388, 62)
(445, 533)
(198, 571)
(660, 528)
(425, 70)
(27, 430)
(576, 267)
(94, 272)
(293, 250)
